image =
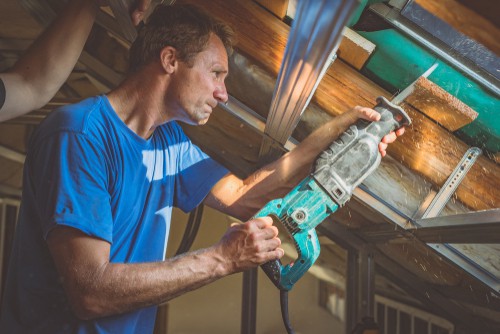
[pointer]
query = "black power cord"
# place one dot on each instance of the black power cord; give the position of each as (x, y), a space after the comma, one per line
(191, 230)
(284, 311)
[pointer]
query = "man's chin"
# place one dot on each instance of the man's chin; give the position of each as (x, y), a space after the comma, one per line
(199, 120)
(203, 119)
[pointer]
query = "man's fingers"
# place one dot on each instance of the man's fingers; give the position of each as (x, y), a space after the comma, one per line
(389, 138)
(382, 147)
(393, 135)
(270, 245)
(281, 252)
(276, 254)
(136, 17)
(262, 222)
(138, 10)
(367, 113)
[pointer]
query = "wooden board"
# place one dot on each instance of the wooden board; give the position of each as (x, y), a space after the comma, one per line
(466, 21)
(277, 7)
(354, 49)
(440, 106)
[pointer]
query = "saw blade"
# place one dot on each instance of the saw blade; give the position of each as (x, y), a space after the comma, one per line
(408, 90)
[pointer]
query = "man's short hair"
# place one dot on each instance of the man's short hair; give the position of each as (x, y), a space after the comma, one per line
(184, 27)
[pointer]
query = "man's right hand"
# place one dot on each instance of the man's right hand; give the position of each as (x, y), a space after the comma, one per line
(248, 245)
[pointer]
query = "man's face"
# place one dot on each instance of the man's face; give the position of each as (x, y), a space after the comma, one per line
(199, 88)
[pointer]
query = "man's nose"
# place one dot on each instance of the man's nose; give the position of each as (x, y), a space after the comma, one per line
(220, 93)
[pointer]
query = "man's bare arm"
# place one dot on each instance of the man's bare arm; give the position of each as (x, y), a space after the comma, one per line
(243, 198)
(96, 288)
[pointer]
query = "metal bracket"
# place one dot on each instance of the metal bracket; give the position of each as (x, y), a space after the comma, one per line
(448, 189)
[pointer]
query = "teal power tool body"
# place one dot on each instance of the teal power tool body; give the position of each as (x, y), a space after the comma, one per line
(337, 172)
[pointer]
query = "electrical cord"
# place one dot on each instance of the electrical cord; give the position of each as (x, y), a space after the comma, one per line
(284, 311)
(191, 230)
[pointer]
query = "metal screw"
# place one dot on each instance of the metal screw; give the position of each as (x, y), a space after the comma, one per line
(299, 215)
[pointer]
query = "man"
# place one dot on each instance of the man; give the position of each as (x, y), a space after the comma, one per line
(42, 70)
(101, 178)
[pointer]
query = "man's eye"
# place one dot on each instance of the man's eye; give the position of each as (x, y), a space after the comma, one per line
(217, 74)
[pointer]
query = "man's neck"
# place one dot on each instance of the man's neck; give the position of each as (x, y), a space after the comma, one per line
(138, 101)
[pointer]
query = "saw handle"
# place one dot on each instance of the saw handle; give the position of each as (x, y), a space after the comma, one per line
(273, 271)
(392, 117)
(355, 155)
(272, 268)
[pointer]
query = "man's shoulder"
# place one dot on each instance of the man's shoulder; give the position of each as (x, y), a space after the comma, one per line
(72, 117)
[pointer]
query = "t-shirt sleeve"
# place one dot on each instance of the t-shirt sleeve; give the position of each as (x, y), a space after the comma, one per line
(197, 174)
(70, 180)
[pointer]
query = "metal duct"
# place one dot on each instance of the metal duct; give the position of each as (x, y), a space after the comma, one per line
(314, 37)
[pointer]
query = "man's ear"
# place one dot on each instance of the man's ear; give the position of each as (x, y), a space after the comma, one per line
(168, 58)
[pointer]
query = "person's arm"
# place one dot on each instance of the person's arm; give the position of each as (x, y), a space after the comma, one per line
(97, 288)
(243, 198)
(46, 65)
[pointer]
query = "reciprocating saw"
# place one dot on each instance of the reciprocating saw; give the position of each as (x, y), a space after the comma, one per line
(337, 172)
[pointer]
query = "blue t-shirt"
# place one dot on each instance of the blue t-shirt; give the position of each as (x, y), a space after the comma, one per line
(86, 169)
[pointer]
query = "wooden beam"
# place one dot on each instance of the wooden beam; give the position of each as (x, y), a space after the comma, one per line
(440, 105)
(80, 83)
(354, 49)
(277, 7)
(466, 21)
(426, 147)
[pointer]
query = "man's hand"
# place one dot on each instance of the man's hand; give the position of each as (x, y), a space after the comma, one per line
(372, 115)
(137, 9)
(248, 245)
